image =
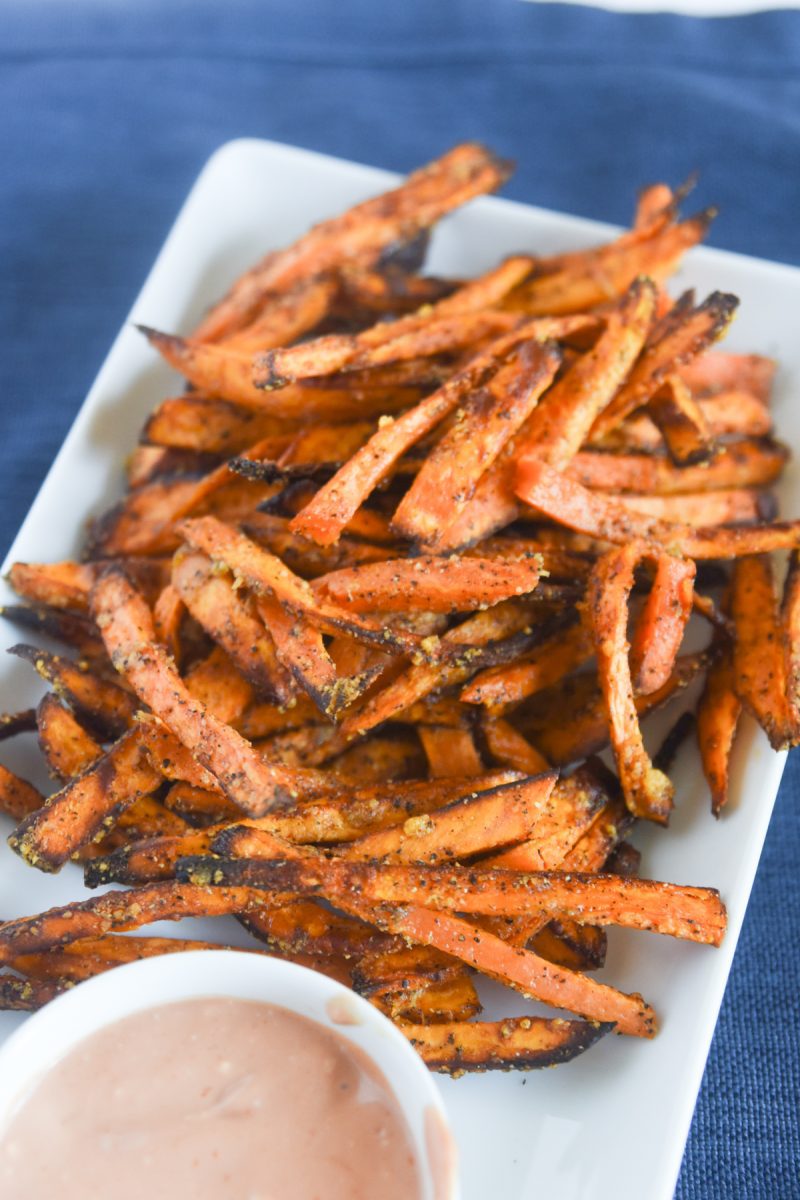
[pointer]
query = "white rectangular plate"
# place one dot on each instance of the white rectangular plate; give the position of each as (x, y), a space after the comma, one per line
(613, 1122)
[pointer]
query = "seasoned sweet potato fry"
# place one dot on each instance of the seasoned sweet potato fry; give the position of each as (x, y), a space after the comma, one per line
(693, 332)
(18, 798)
(115, 912)
(561, 422)
(86, 806)
(759, 663)
(104, 706)
(507, 745)
(20, 722)
(517, 1043)
(26, 995)
(215, 605)
(466, 171)
(660, 626)
(648, 792)
(81, 960)
(482, 426)
(450, 752)
(753, 462)
(449, 585)
(245, 778)
(720, 371)
(728, 506)
(567, 502)
(195, 421)
(506, 686)
(263, 572)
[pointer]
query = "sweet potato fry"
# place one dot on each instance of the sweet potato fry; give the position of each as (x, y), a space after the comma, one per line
(168, 613)
(561, 423)
(759, 663)
(718, 714)
(728, 506)
(86, 806)
(26, 995)
(726, 414)
(19, 722)
(648, 792)
(454, 1000)
(67, 747)
(335, 504)
(503, 621)
(215, 605)
(661, 624)
(482, 426)
(449, 585)
(59, 585)
(688, 336)
(92, 956)
(507, 746)
(360, 234)
(567, 502)
(379, 760)
(199, 807)
(115, 912)
(517, 1043)
(216, 683)
(104, 706)
(472, 826)
(288, 316)
(263, 572)
(18, 798)
(450, 752)
(126, 624)
(790, 625)
(195, 421)
(720, 371)
(567, 944)
(71, 628)
(506, 686)
(680, 419)
(586, 731)
(582, 281)
(755, 462)
(694, 914)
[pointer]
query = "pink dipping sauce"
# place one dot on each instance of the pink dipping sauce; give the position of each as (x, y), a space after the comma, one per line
(217, 1099)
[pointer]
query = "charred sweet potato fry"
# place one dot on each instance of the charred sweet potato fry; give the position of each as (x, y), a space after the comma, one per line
(751, 462)
(115, 912)
(19, 722)
(19, 994)
(517, 1043)
(105, 706)
(86, 806)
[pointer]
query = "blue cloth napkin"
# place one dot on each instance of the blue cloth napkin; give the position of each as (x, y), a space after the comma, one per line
(107, 112)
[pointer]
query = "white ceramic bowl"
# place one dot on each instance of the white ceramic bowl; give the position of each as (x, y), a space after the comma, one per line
(53, 1031)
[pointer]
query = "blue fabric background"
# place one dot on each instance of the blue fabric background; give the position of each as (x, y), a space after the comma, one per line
(107, 112)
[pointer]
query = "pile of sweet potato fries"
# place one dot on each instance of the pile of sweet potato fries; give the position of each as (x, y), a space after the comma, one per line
(405, 556)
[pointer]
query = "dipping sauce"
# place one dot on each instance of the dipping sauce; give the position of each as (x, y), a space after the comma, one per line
(213, 1099)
